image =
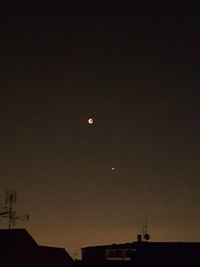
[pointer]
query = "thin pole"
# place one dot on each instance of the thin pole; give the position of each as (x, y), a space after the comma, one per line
(10, 211)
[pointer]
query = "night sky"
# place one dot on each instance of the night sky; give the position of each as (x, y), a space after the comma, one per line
(135, 71)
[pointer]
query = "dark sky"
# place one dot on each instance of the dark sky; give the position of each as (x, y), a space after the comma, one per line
(135, 70)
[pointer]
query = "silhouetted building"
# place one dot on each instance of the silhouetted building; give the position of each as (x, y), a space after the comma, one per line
(19, 249)
(55, 257)
(143, 254)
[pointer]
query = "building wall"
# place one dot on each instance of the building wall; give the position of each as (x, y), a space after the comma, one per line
(143, 254)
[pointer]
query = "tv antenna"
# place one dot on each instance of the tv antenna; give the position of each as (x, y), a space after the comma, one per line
(9, 212)
(145, 229)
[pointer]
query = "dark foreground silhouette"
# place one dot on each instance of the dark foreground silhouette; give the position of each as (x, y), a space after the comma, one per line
(19, 249)
(161, 254)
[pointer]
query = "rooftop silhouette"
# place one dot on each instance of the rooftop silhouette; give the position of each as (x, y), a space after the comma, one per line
(18, 248)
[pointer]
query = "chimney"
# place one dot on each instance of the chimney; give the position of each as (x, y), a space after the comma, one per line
(139, 238)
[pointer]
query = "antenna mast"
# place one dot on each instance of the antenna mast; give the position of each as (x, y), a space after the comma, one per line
(9, 212)
(11, 199)
(145, 229)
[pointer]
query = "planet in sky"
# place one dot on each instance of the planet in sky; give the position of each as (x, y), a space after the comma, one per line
(90, 121)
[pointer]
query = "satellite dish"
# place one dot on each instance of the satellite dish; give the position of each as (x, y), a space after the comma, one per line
(146, 237)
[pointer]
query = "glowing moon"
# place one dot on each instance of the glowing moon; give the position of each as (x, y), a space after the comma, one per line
(90, 121)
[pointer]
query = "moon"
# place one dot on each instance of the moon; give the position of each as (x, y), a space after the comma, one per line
(90, 120)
